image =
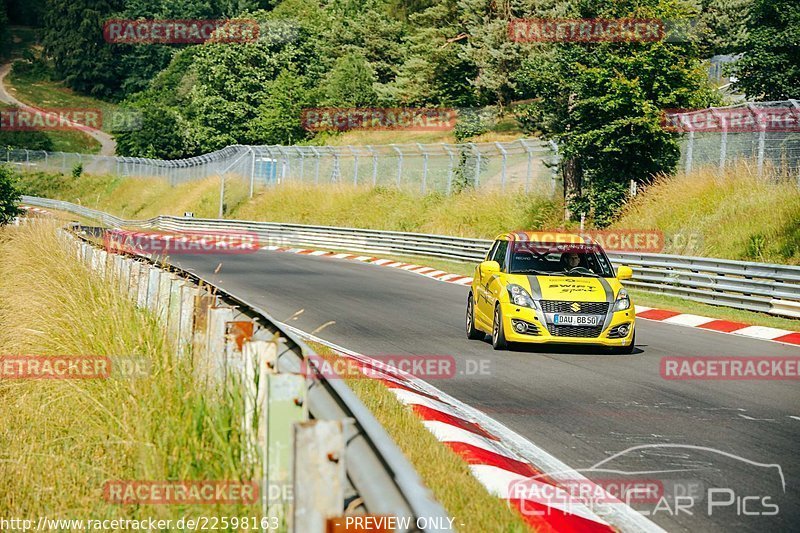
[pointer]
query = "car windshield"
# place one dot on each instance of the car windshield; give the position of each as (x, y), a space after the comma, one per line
(559, 259)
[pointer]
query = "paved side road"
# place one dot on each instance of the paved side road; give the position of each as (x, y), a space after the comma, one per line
(108, 146)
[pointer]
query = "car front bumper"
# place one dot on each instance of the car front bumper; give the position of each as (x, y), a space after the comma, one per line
(513, 313)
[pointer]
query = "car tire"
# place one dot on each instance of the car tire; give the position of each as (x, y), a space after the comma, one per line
(498, 332)
(473, 333)
(625, 350)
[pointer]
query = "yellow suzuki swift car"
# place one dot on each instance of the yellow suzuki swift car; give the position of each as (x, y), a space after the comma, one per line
(550, 288)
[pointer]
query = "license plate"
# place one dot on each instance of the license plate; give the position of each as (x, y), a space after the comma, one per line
(576, 320)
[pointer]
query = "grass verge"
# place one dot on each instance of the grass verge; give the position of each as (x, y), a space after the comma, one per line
(61, 440)
(440, 468)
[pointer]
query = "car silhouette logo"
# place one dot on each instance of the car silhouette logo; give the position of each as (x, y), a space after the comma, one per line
(575, 306)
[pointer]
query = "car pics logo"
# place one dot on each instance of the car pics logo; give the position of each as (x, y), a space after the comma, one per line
(186, 31)
(571, 492)
(376, 118)
(186, 243)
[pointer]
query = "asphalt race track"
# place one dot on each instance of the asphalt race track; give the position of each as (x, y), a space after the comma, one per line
(580, 406)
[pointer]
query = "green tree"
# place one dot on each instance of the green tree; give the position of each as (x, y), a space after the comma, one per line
(4, 35)
(351, 82)
(603, 104)
(770, 66)
(9, 196)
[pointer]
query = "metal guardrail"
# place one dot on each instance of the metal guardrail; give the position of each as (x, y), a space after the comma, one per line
(378, 471)
(761, 287)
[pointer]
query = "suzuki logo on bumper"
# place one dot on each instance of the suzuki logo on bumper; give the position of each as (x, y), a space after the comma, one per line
(575, 306)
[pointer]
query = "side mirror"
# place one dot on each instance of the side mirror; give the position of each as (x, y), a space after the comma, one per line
(624, 272)
(490, 267)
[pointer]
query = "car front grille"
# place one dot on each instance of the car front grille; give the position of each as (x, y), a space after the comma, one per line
(563, 306)
(575, 331)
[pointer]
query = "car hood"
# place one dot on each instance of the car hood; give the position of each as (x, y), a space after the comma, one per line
(580, 289)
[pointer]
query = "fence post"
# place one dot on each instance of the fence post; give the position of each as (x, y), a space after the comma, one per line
(424, 167)
(762, 132)
(505, 162)
(399, 164)
(189, 296)
(318, 473)
(252, 171)
(476, 181)
(450, 168)
(374, 165)
(316, 166)
(687, 167)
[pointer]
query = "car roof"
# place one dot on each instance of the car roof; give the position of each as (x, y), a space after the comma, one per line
(546, 236)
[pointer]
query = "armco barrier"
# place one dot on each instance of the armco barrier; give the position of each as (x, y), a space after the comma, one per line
(762, 287)
(234, 343)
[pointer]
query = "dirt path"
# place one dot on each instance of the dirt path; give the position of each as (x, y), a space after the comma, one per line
(107, 144)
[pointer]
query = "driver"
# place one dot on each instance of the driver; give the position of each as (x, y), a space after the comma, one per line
(571, 260)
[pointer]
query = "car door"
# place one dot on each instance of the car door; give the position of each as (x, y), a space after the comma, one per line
(489, 283)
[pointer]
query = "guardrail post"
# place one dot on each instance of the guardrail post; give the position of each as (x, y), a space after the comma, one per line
(259, 358)
(153, 282)
(117, 270)
(189, 296)
(99, 263)
(237, 333)
(135, 274)
(174, 310)
(202, 307)
(162, 307)
(318, 473)
(144, 279)
(213, 361)
(124, 279)
(286, 405)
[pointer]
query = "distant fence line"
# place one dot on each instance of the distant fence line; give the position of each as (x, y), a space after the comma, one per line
(527, 164)
(524, 164)
(767, 133)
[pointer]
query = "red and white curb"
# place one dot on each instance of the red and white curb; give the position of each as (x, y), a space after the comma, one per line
(498, 457)
(428, 272)
(721, 326)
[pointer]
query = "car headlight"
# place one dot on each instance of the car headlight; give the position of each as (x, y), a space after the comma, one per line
(623, 301)
(519, 296)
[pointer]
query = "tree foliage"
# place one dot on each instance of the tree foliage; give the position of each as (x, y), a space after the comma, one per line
(9, 196)
(603, 103)
(770, 65)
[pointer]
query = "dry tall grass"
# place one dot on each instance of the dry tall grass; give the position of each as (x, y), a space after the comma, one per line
(61, 440)
(737, 214)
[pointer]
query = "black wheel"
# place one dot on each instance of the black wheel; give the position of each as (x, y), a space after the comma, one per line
(625, 350)
(473, 333)
(498, 333)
